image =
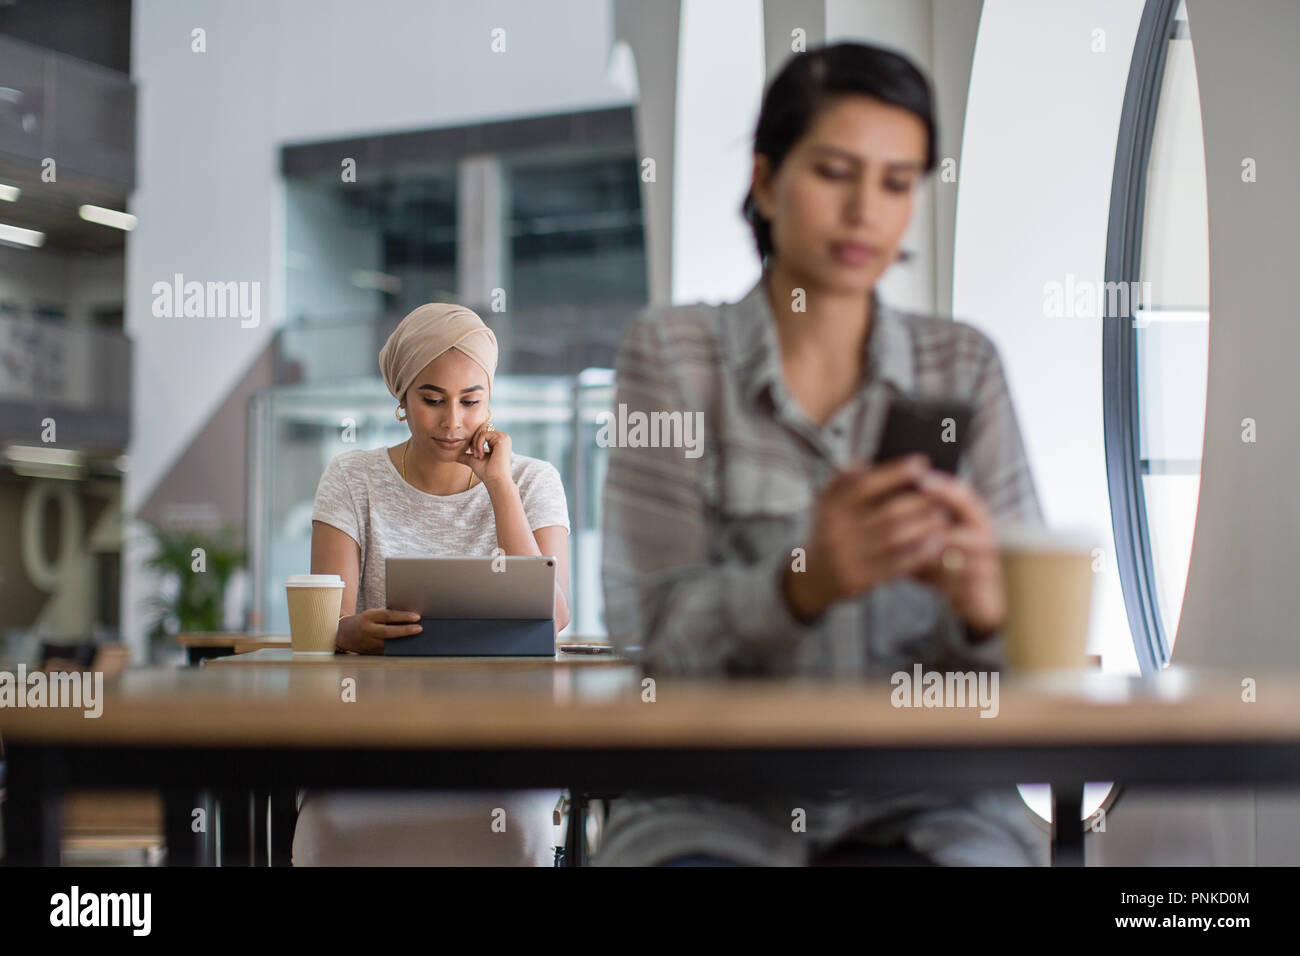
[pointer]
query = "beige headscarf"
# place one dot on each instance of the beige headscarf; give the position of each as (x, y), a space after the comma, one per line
(425, 334)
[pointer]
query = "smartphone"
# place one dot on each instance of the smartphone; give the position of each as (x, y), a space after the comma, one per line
(935, 427)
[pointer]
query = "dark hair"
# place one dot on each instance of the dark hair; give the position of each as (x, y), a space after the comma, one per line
(811, 80)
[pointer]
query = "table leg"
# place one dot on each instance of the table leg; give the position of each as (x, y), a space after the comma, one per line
(283, 819)
(185, 845)
(196, 655)
(1067, 824)
(259, 819)
(33, 809)
(575, 837)
(235, 816)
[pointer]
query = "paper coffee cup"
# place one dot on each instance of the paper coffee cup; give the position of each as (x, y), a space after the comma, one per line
(314, 602)
(1048, 575)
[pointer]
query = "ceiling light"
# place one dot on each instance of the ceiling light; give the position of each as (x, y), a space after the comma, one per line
(17, 236)
(44, 455)
(108, 217)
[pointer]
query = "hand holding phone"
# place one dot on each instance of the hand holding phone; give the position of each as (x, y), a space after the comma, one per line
(873, 522)
(870, 524)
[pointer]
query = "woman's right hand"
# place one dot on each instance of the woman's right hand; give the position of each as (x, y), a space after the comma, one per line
(366, 632)
(870, 524)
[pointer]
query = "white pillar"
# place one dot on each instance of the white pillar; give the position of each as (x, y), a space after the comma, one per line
(700, 74)
(482, 248)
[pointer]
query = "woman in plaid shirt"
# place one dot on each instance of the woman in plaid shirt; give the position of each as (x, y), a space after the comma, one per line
(775, 548)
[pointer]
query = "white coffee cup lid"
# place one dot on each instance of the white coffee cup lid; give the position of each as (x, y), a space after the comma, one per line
(314, 581)
(1041, 537)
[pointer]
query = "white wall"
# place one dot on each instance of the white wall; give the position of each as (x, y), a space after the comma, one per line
(720, 77)
(1242, 602)
(210, 125)
(1033, 206)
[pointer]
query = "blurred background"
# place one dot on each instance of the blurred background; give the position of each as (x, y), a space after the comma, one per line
(559, 165)
(584, 158)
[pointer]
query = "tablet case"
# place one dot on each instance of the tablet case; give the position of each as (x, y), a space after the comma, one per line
(476, 637)
(524, 627)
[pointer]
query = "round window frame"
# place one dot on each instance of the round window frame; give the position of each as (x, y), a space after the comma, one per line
(1120, 396)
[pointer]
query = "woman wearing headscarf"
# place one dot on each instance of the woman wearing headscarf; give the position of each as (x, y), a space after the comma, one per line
(454, 488)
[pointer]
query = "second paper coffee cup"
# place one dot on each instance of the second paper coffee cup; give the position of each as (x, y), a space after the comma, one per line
(314, 602)
(1048, 575)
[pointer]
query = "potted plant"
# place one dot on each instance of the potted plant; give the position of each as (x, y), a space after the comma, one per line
(196, 565)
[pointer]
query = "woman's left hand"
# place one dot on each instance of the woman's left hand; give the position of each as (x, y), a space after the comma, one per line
(968, 565)
(494, 463)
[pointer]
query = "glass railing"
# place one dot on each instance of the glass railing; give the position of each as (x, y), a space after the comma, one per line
(56, 105)
(61, 363)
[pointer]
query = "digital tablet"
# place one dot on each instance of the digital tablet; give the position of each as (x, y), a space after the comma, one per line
(512, 587)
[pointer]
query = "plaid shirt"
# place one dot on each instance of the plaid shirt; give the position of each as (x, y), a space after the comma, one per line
(694, 547)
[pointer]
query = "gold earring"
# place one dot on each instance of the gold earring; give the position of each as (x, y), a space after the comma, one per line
(490, 426)
(397, 412)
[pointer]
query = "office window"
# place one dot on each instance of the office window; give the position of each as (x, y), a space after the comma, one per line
(549, 210)
(1155, 343)
(379, 246)
(575, 233)
(1156, 349)
(1173, 333)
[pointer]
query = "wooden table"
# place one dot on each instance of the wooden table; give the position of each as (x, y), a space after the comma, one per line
(216, 645)
(275, 813)
(202, 645)
(529, 725)
(281, 657)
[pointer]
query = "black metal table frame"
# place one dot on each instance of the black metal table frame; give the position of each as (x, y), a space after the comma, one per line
(39, 774)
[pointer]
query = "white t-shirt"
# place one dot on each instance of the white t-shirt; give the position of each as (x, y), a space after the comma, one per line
(362, 494)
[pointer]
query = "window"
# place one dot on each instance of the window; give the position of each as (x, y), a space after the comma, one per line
(1156, 348)
(548, 209)
(1155, 343)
